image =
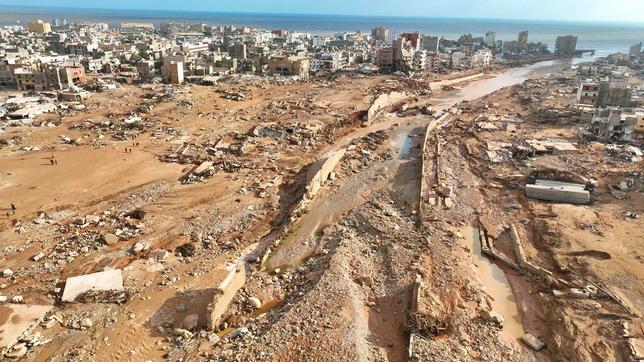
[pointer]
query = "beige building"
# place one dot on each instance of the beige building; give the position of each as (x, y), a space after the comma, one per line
(639, 126)
(46, 77)
(30, 79)
(175, 71)
(39, 27)
(385, 58)
(290, 66)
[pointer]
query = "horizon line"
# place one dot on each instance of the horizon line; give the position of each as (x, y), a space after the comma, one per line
(327, 14)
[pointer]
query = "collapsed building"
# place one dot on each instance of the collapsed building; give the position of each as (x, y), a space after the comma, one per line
(614, 124)
(290, 66)
(608, 92)
(49, 77)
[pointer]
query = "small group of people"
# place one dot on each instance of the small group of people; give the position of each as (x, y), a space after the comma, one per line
(53, 161)
(13, 210)
(134, 144)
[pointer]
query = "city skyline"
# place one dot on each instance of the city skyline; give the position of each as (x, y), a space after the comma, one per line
(596, 11)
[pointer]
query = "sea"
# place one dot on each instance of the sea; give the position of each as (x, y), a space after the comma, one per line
(603, 37)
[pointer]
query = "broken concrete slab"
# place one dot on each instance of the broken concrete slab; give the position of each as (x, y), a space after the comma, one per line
(227, 289)
(637, 348)
(226, 293)
(18, 319)
(17, 351)
(383, 101)
(203, 167)
(493, 317)
(532, 342)
(265, 130)
(558, 191)
(320, 171)
(554, 146)
(105, 280)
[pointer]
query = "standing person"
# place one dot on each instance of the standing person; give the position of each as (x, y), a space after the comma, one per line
(13, 208)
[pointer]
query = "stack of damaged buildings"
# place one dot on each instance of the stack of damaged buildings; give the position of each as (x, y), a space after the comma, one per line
(63, 61)
(610, 98)
(43, 56)
(415, 53)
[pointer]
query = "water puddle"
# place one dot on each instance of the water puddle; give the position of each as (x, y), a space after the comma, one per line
(404, 142)
(265, 308)
(295, 247)
(496, 285)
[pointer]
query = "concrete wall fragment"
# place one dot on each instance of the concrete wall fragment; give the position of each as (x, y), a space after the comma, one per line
(320, 171)
(383, 101)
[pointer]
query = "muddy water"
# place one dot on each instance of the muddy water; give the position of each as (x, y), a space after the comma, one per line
(479, 88)
(406, 137)
(297, 246)
(404, 142)
(327, 211)
(496, 285)
(473, 90)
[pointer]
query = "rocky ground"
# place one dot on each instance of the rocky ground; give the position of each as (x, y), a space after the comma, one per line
(217, 171)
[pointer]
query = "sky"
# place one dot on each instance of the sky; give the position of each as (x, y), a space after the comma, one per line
(591, 10)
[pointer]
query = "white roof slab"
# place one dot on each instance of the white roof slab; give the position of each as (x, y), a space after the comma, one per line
(105, 280)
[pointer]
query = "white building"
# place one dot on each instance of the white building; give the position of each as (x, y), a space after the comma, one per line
(481, 59)
(458, 60)
(330, 62)
(320, 41)
(420, 61)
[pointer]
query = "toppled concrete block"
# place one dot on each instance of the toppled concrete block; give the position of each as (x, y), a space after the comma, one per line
(106, 280)
(203, 167)
(558, 191)
(227, 290)
(320, 172)
(533, 342)
(493, 317)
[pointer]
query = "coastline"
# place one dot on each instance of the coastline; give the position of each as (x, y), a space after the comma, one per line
(592, 35)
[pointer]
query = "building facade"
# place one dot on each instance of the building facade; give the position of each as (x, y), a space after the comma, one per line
(565, 46)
